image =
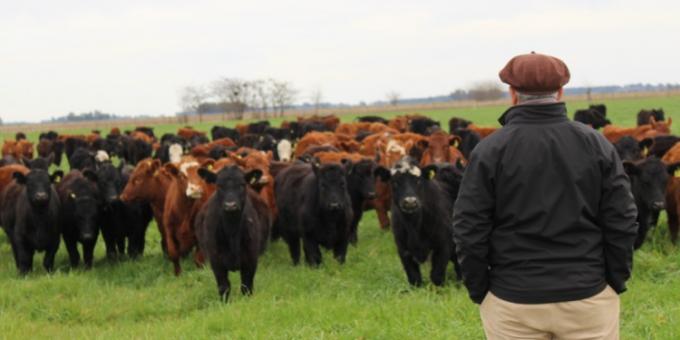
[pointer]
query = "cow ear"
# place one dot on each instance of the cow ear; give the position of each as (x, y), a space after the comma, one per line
(207, 175)
(670, 121)
(630, 168)
(382, 173)
(674, 169)
(422, 144)
(21, 178)
(454, 141)
(429, 172)
(56, 176)
(155, 164)
(652, 121)
(171, 168)
(208, 164)
(347, 165)
(91, 175)
(270, 155)
(253, 176)
(459, 164)
(644, 145)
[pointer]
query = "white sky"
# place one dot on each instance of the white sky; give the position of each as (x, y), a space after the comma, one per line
(132, 57)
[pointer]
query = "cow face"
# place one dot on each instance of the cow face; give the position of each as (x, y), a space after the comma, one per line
(186, 173)
(332, 186)
(84, 196)
(439, 147)
(137, 186)
(361, 176)
(405, 178)
(38, 185)
(109, 182)
(284, 150)
(648, 179)
(630, 149)
(230, 183)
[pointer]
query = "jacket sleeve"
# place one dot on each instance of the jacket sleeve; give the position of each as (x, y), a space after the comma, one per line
(472, 223)
(618, 220)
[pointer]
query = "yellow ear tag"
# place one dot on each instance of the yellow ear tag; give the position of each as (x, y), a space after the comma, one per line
(72, 195)
(57, 179)
(155, 173)
(455, 144)
(253, 180)
(677, 173)
(210, 166)
(431, 174)
(645, 151)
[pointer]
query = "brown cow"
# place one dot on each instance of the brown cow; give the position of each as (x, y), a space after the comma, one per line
(672, 155)
(255, 159)
(651, 130)
(673, 201)
(340, 141)
(483, 131)
(149, 183)
(188, 133)
(441, 148)
(139, 135)
(202, 151)
(7, 174)
(18, 149)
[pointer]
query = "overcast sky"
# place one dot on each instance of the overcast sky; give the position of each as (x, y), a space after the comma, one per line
(132, 57)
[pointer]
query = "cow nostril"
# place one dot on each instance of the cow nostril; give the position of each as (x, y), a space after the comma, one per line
(230, 206)
(659, 205)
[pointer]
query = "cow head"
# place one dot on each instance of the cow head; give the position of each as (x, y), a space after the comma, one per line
(331, 185)
(137, 186)
(38, 185)
(186, 173)
(284, 150)
(361, 175)
(230, 183)
(84, 195)
(405, 179)
(648, 181)
(439, 147)
(109, 182)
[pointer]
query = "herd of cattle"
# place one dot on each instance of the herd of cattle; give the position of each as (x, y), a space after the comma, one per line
(306, 182)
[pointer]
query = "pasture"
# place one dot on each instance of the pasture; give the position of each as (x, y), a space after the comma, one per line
(367, 297)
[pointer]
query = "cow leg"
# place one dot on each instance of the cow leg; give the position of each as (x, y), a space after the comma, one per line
(673, 223)
(456, 265)
(643, 220)
(199, 258)
(88, 253)
(340, 250)
(381, 211)
(354, 226)
(440, 259)
(109, 240)
(72, 248)
(173, 252)
(411, 268)
(293, 242)
(158, 216)
(222, 277)
(24, 258)
(312, 251)
(48, 260)
(247, 278)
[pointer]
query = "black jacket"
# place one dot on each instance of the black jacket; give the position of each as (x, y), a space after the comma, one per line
(545, 212)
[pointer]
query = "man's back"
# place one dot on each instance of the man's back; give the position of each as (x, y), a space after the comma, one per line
(540, 180)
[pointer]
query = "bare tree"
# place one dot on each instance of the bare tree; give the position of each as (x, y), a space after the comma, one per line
(260, 97)
(234, 91)
(485, 91)
(316, 97)
(393, 97)
(282, 95)
(191, 98)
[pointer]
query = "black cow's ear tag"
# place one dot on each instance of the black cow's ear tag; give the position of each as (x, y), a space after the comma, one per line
(676, 174)
(72, 195)
(645, 151)
(253, 180)
(210, 167)
(431, 174)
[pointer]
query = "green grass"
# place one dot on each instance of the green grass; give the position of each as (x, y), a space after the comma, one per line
(368, 297)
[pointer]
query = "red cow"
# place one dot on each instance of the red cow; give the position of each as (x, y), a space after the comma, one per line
(441, 148)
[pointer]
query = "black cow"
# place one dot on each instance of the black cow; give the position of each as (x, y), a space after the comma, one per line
(361, 189)
(136, 150)
(372, 119)
(233, 227)
(468, 140)
(71, 144)
(601, 108)
(219, 132)
(30, 217)
(260, 142)
(643, 117)
(258, 127)
(19, 136)
(648, 183)
(136, 216)
(313, 206)
(629, 149)
(421, 219)
(662, 144)
(591, 117)
(110, 184)
(423, 126)
(311, 126)
(279, 133)
(55, 146)
(81, 159)
(79, 198)
(146, 130)
(42, 163)
(457, 123)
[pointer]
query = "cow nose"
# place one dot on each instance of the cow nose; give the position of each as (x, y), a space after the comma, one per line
(113, 197)
(409, 202)
(87, 236)
(230, 206)
(659, 205)
(371, 195)
(335, 206)
(41, 196)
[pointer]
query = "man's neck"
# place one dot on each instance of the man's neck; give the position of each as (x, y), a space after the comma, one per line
(540, 101)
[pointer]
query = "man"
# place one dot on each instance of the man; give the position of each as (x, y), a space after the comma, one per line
(545, 221)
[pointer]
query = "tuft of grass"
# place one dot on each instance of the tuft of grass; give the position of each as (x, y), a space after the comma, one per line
(368, 297)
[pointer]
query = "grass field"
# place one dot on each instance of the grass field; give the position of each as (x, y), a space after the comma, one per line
(368, 297)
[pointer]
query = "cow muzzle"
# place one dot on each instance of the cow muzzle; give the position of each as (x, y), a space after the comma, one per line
(659, 205)
(409, 204)
(230, 206)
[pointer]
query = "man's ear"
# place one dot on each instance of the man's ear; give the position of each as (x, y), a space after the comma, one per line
(207, 175)
(630, 168)
(382, 173)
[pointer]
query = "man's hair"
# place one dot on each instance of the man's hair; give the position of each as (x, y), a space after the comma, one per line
(523, 97)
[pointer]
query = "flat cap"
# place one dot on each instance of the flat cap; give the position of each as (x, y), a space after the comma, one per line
(535, 73)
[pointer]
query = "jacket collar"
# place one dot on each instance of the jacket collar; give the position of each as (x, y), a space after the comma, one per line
(535, 113)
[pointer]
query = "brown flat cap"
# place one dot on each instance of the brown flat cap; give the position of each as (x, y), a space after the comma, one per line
(535, 73)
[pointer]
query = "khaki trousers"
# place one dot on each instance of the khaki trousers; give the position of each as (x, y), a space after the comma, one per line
(596, 317)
